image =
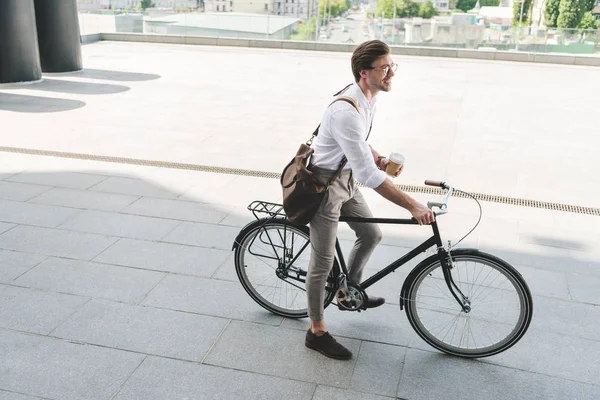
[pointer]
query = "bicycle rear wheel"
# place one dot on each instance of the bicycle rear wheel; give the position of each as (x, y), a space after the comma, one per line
(500, 301)
(271, 262)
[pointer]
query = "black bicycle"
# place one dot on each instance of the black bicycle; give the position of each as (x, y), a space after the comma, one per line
(461, 301)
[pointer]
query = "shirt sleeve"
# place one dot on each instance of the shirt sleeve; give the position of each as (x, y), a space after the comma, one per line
(347, 128)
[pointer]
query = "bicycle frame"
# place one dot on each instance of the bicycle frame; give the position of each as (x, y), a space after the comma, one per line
(434, 240)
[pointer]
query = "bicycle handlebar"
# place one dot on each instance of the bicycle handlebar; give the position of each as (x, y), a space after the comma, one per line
(443, 205)
(441, 184)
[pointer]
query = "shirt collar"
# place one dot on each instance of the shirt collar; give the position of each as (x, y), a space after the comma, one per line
(360, 96)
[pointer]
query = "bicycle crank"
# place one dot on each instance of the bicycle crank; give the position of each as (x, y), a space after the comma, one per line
(354, 298)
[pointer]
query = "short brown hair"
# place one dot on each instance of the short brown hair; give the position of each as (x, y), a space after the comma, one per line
(365, 55)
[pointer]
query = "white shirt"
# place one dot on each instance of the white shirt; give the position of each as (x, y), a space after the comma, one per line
(344, 131)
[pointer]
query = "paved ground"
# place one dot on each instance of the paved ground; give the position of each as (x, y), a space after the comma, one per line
(116, 281)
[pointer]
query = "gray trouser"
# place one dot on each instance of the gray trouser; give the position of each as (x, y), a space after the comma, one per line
(342, 198)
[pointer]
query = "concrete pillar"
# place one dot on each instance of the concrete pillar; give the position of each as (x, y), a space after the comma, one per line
(19, 56)
(58, 35)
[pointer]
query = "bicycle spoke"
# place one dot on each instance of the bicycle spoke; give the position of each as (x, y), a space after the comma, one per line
(493, 320)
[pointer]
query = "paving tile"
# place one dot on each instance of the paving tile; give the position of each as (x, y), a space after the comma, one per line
(4, 227)
(238, 193)
(15, 263)
(53, 368)
(556, 355)
(20, 191)
(36, 311)
(55, 242)
(5, 395)
(257, 353)
(237, 216)
(143, 329)
(35, 214)
(122, 225)
(160, 256)
(205, 235)
(333, 393)
(430, 376)
(209, 297)
(161, 378)
(177, 209)
(565, 317)
(86, 199)
(67, 179)
(133, 186)
(378, 368)
(584, 288)
(386, 324)
(91, 279)
(227, 270)
(545, 283)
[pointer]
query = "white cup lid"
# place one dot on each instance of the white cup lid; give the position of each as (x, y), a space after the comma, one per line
(397, 158)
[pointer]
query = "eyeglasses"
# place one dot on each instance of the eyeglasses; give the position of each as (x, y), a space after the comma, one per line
(386, 68)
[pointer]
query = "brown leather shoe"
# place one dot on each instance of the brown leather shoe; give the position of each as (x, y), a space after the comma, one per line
(327, 345)
(371, 302)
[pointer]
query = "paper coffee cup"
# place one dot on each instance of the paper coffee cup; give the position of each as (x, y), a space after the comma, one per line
(395, 162)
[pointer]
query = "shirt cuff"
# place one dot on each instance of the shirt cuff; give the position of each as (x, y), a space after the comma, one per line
(376, 179)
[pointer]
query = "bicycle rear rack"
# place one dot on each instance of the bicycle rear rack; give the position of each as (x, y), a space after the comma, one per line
(264, 207)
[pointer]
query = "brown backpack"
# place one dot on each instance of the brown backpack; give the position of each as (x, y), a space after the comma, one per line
(302, 191)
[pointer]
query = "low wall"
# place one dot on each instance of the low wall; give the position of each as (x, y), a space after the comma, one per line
(568, 59)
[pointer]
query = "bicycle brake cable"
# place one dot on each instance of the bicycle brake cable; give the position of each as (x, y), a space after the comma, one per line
(480, 213)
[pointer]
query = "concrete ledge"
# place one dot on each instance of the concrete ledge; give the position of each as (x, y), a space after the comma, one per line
(437, 52)
(270, 44)
(480, 55)
(513, 56)
(335, 47)
(553, 59)
(589, 61)
(567, 59)
(198, 40)
(232, 42)
(406, 50)
(294, 45)
(91, 38)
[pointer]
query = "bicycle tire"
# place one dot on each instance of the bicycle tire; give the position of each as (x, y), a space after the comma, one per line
(273, 229)
(431, 272)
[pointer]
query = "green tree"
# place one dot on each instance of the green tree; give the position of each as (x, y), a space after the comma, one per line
(489, 3)
(551, 13)
(146, 4)
(517, 12)
(427, 10)
(465, 5)
(404, 9)
(306, 30)
(588, 21)
(569, 14)
(338, 7)
(588, 5)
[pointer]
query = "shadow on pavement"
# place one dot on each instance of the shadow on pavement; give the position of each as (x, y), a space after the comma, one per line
(120, 76)
(36, 104)
(62, 86)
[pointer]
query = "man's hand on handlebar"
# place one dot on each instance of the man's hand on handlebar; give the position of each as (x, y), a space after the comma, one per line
(422, 214)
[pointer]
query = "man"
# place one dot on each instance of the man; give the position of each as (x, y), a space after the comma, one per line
(344, 131)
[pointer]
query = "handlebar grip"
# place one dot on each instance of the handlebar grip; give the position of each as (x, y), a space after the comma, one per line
(435, 183)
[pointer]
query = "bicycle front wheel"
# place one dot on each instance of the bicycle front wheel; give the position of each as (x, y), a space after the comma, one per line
(500, 302)
(271, 262)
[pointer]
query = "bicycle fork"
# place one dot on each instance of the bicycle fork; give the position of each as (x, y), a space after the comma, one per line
(446, 261)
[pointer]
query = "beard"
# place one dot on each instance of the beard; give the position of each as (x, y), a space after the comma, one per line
(383, 85)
